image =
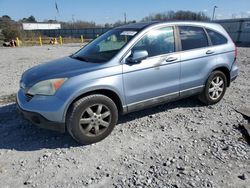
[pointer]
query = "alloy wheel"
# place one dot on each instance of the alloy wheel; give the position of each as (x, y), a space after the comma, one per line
(216, 88)
(95, 120)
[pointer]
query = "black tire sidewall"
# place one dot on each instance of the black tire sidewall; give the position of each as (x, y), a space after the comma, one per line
(214, 74)
(76, 112)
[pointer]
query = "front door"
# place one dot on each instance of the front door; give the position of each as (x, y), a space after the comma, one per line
(156, 78)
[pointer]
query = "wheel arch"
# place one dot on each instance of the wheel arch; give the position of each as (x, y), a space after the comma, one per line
(225, 70)
(107, 92)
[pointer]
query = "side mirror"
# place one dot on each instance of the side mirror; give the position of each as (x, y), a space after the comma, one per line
(137, 56)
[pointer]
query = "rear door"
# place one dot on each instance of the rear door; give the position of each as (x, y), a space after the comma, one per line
(196, 57)
(223, 48)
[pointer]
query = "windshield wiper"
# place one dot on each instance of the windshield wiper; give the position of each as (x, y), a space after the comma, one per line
(80, 58)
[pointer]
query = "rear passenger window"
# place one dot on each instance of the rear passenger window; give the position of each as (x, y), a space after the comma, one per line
(157, 42)
(192, 37)
(216, 38)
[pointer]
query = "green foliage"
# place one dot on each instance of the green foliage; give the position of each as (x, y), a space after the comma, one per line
(6, 26)
(10, 33)
(5, 21)
(10, 28)
(30, 19)
(6, 17)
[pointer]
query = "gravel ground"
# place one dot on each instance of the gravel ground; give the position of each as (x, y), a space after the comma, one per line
(180, 144)
(14, 61)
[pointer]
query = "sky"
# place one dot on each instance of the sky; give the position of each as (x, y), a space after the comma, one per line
(109, 11)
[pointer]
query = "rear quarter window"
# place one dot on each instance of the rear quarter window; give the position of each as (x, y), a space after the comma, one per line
(192, 37)
(216, 38)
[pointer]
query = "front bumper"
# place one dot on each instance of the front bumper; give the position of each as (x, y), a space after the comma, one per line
(40, 121)
(45, 112)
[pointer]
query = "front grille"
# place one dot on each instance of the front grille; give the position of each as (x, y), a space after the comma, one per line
(28, 97)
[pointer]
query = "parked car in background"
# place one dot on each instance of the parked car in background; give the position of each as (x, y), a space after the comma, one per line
(127, 69)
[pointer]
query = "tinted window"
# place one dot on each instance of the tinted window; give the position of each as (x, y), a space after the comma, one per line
(157, 42)
(192, 37)
(216, 38)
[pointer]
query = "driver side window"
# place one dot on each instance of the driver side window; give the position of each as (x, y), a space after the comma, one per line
(157, 42)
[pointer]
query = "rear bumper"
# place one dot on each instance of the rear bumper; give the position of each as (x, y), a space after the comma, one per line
(234, 78)
(234, 72)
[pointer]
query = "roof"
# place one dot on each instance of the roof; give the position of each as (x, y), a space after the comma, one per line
(142, 25)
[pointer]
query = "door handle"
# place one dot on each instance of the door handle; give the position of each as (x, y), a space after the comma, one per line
(171, 59)
(209, 52)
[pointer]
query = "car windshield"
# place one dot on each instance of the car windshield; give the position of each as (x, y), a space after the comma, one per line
(105, 47)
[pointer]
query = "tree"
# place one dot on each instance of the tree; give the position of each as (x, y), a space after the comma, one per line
(30, 19)
(51, 21)
(10, 33)
(10, 28)
(107, 25)
(5, 20)
(6, 17)
(179, 15)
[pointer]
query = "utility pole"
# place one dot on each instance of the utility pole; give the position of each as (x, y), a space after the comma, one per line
(73, 21)
(125, 18)
(215, 7)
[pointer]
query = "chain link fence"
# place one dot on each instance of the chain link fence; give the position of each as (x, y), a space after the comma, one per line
(88, 33)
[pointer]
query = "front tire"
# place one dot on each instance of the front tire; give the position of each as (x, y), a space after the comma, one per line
(92, 118)
(215, 88)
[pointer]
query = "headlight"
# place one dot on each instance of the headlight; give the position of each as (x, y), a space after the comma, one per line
(46, 87)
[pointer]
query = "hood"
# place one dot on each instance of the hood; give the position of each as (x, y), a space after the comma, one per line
(61, 68)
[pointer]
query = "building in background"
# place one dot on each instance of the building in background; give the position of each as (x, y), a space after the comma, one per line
(41, 26)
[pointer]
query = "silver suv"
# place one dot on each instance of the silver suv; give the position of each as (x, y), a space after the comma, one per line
(126, 69)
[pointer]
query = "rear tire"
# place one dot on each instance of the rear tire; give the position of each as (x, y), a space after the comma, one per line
(215, 88)
(92, 118)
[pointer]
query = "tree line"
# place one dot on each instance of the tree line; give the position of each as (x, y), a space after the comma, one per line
(178, 15)
(10, 28)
